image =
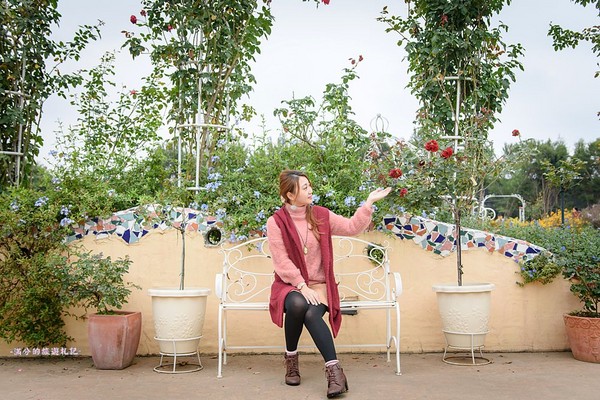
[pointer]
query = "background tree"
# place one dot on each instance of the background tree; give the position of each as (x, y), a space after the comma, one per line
(588, 192)
(530, 179)
(564, 178)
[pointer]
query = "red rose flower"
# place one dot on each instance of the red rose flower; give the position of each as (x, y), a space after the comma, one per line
(133, 19)
(326, 2)
(432, 146)
(447, 152)
(403, 192)
(444, 20)
(133, 92)
(516, 132)
(360, 58)
(395, 173)
(143, 13)
(169, 28)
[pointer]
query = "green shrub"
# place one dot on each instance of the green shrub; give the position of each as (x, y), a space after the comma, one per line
(39, 279)
(579, 259)
(321, 139)
(32, 231)
(96, 282)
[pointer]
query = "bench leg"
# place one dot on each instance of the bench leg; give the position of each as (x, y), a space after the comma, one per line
(220, 333)
(398, 372)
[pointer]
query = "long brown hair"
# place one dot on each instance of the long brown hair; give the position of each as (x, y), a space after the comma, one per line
(289, 181)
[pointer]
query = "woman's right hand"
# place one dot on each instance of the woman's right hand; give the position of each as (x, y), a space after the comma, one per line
(311, 296)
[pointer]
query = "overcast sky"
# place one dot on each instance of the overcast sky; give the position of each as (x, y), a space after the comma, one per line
(555, 98)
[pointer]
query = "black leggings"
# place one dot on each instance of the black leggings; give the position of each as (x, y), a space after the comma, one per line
(298, 313)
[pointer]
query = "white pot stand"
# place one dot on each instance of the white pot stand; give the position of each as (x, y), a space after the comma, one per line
(465, 359)
(185, 366)
(178, 323)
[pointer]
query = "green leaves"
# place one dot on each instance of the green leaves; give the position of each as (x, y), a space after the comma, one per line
(563, 38)
(579, 258)
(29, 52)
(212, 42)
(460, 73)
(318, 137)
(96, 282)
(40, 276)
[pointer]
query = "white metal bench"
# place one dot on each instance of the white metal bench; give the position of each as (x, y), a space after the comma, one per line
(362, 270)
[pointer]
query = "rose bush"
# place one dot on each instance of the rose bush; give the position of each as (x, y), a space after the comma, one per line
(460, 72)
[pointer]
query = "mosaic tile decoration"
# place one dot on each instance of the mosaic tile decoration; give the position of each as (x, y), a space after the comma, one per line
(440, 238)
(133, 224)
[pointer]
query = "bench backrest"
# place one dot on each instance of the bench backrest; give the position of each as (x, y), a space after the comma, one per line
(361, 268)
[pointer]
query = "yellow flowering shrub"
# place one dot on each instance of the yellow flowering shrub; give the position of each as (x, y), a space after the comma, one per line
(554, 220)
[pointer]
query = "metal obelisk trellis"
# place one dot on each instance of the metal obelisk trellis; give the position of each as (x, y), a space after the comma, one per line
(199, 123)
(458, 145)
(458, 139)
(17, 150)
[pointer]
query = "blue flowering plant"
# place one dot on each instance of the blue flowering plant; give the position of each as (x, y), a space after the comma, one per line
(38, 269)
(31, 258)
(542, 268)
(318, 137)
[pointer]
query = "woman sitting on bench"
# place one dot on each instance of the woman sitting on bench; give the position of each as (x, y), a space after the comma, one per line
(304, 288)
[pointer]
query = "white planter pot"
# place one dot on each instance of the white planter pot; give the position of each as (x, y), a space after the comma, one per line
(465, 312)
(178, 318)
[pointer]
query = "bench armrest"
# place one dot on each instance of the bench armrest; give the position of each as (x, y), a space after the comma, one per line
(219, 286)
(397, 284)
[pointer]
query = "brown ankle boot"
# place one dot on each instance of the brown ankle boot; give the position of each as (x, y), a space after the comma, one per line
(336, 380)
(292, 373)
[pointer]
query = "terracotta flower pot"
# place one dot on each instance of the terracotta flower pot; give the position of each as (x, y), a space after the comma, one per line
(114, 338)
(584, 337)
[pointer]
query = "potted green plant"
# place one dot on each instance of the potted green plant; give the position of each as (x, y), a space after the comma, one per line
(178, 312)
(96, 282)
(574, 251)
(579, 258)
(460, 73)
(205, 51)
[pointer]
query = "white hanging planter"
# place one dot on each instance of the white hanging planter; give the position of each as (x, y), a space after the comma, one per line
(465, 313)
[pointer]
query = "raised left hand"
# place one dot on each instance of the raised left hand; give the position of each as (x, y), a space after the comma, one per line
(377, 195)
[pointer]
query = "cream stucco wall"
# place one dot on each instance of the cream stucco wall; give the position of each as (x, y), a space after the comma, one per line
(522, 319)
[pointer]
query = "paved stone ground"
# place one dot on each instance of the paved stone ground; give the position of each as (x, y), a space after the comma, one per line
(531, 376)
